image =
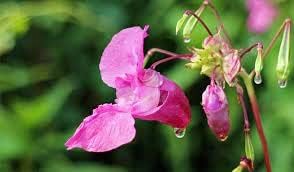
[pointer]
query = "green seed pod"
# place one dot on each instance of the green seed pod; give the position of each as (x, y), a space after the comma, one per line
(258, 65)
(238, 169)
(181, 22)
(249, 150)
(283, 68)
(190, 25)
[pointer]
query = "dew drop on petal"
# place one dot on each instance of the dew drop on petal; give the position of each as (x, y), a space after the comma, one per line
(282, 83)
(180, 132)
(257, 79)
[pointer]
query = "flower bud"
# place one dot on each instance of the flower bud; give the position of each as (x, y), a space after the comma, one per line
(249, 150)
(238, 169)
(215, 106)
(282, 68)
(217, 43)
(181, 22)
(190, 25)
(231, 67)
(258, 65)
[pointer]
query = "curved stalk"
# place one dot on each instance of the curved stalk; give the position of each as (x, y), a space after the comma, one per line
(256, 113)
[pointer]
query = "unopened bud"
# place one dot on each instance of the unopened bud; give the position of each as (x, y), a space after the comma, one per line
(231, 67)
(238, 169)
(191, 24)
(215, 105)
(249, 150)
(258, 65)
(245, 163)
(283, 68)
(181, 22)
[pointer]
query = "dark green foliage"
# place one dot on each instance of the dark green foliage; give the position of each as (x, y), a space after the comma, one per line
(49, 81)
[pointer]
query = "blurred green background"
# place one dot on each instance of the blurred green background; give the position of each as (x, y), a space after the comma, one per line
(49, 81)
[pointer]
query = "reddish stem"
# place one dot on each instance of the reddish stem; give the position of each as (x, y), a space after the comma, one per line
(256, 114)
(180, 56)
(191, 13)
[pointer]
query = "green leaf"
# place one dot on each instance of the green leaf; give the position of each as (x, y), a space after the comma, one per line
(42, 109)
(61, 166)
(15, 77)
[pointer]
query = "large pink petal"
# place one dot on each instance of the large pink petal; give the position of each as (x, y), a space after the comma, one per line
(173, 109)
(106, 129)
(123, 55)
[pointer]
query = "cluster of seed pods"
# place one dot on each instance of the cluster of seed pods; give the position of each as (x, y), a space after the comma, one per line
(218, 60)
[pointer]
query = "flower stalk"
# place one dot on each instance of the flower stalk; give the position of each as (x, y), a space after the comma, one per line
(256, 113)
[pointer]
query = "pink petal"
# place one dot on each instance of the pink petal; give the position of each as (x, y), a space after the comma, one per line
(150, 78)
(173, 109)
(123, 55)
(139, 95)
(147, 98)
(106, 129)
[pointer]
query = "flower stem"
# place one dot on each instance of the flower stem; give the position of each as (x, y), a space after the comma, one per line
(181, 56)
(256, 113)
(191, 13)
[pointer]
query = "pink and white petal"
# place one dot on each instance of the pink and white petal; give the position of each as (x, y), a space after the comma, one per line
(150, 78)
(106, 129)
(174, 108)
(231, 66)
(123, 55)
(147, 98)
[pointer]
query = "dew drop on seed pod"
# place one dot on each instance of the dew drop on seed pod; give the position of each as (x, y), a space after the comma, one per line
(282, 83)
(187, 40)
(257, 79)
(179, 132)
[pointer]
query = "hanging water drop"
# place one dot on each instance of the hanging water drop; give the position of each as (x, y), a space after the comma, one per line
(282, 83)
(179, 132)
(187, 40)
(257, 79)
(222, 137)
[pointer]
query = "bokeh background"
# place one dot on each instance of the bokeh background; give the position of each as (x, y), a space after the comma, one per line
(49, 81)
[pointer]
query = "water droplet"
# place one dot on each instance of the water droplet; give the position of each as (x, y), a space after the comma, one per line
(282, 83)
(257, 79)
(180, 132)
(222, 137)
(187, 40)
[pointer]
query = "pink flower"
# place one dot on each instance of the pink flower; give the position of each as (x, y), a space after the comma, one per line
(261, 15)
(215, 106)
(141, 93)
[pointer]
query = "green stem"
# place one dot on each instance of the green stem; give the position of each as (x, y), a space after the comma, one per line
(256, 113)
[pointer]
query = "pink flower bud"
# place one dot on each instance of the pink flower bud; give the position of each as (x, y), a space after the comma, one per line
(215, 106)
(231, 67)
(218, 43)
